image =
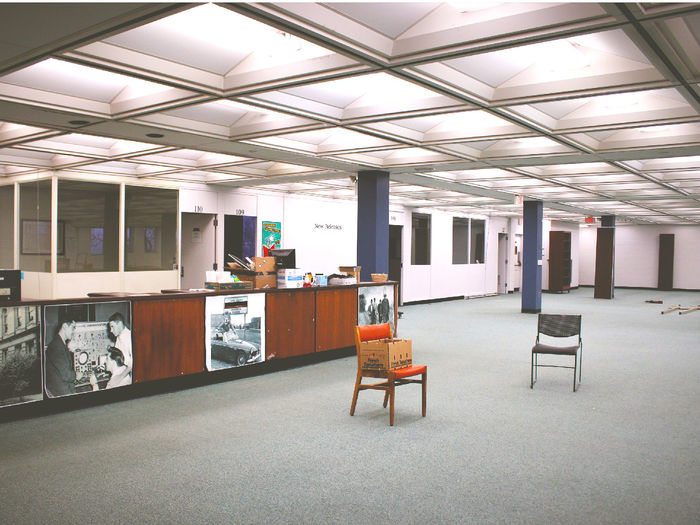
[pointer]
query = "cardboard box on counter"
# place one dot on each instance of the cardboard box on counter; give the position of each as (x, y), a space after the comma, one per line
(264, 264)
(259, 265)
(290, 278)
(259, 279)
(385, 354)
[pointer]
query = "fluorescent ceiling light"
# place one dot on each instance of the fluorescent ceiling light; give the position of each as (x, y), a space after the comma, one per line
(380, 88)
(231, 104)
(474, 5)
(621, 101)
(562, 55)
(469, 119)
(221, 28)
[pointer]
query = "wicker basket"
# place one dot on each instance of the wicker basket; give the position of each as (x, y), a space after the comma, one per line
(378, 277)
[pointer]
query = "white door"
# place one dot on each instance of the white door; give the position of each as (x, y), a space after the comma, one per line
(502, 263)
(517, 262)
(197, 244)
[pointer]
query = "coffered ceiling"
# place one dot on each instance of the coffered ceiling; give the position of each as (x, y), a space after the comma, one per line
(593, 108)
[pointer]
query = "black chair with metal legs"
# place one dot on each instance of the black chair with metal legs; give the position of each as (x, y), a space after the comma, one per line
(557, 325)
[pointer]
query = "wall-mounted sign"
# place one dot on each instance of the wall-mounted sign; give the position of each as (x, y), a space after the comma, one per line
(196, 236)
(328, 226)
(271, 236)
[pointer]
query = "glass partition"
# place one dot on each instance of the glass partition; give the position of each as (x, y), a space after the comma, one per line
(88, 214)
(150, 238)
(460, 240)
(477, 241)
(35, 227)
(7, 226)
(420, 238)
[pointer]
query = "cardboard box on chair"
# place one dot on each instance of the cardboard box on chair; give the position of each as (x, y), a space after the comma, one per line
(385, 354)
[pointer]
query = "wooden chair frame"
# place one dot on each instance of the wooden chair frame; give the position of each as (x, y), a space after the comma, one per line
(393, 378)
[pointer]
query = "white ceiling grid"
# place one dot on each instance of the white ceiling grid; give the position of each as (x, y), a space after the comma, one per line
(593, 108)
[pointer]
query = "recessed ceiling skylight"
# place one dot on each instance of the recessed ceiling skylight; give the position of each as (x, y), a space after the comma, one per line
(217, 40)
(67, 78)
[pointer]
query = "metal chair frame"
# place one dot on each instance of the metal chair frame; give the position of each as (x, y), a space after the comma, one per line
(557, 325)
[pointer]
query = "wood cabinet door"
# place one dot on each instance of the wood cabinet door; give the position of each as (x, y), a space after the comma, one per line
(168, 338)
(336, 318)
(289, 323)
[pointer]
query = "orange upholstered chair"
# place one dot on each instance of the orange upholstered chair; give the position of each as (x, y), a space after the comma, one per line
(394, 378)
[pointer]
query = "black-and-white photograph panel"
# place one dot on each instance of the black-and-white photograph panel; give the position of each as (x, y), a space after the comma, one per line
(87, 347)
(375, 305)
(235, 330)
(20, 355)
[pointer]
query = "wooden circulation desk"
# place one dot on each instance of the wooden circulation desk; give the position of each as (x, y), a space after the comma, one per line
(168, 329)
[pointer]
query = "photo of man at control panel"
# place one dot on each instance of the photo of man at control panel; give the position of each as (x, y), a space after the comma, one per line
(88, 347)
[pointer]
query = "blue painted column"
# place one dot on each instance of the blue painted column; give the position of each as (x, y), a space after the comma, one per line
(532, 257)
(372, 222)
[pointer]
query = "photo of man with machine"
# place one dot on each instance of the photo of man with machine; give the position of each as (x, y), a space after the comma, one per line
(87, 347)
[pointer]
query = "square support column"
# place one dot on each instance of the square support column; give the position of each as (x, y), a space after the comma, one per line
(605, 259)
(532, 257)
(372, 222)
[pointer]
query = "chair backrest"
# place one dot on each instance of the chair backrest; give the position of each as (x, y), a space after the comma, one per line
(370, 332)
(558, 325)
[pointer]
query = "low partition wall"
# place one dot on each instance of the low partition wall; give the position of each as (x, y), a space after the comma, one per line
(58, 348)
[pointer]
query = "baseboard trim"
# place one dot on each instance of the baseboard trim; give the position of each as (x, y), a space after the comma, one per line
(437, 300)
(646, 288)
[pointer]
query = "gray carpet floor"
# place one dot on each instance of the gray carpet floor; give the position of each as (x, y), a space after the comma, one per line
(282, 448)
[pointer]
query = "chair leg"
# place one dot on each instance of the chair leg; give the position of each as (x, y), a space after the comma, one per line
(575, 367)
(425, 389)
(386, 398)
(580, 363)
(354, 394)
(392, 392)
(532, 370)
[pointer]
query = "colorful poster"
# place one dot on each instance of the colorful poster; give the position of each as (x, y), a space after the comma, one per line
(87, 347)
(271, 236)
(20, 355)
(375, 305)
(235, 330)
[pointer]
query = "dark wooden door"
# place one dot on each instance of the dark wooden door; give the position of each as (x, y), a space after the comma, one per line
(559, 260)
(666, 241)
(395, 255)
(336, 318)
(290, 328)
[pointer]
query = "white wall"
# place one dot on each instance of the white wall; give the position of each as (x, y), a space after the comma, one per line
(637, 255)
(587, 242)
(39, 285)
(323, 233)
(441, 278)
